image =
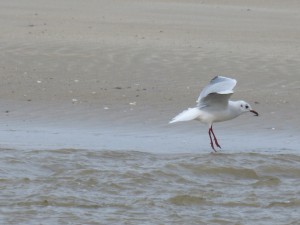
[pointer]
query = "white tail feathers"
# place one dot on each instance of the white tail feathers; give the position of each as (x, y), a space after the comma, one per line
(186, 115)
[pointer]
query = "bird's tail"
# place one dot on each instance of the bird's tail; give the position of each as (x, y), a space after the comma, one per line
(186, 115)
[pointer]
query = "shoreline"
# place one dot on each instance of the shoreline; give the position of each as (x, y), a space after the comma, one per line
(135, 65)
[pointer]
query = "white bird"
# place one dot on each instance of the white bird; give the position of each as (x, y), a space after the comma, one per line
(213, 105)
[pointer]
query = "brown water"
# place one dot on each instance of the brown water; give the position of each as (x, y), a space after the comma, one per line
(87, 91)
(71, 186)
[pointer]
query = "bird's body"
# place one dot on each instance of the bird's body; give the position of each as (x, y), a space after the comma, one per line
(213, 105)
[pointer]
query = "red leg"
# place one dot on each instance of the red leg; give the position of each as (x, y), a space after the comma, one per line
(211, 142)
(216, 141)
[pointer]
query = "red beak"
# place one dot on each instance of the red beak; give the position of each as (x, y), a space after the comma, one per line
(256, 113)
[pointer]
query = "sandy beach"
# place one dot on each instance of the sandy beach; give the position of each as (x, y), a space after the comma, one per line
(136, 64)
(109, 75)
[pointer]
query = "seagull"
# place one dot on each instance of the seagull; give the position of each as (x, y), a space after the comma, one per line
(213, 105)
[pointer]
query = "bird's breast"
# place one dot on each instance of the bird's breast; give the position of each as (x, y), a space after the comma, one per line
(215, 116)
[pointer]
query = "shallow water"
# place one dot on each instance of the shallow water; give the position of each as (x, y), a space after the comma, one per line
(129, 187)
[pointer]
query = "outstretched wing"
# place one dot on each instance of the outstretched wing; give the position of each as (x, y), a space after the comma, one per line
(217, 92)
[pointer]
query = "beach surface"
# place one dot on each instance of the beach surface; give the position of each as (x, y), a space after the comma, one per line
(102, 79)
(125, 68)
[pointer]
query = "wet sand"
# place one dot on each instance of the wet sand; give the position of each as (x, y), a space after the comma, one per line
(86, 93)
(124, 68)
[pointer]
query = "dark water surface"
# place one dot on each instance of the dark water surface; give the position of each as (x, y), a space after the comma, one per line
(129, 187)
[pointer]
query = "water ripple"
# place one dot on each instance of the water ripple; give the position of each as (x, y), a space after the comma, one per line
(114, 186)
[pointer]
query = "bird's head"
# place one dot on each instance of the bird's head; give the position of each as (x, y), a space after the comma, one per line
(245, 107)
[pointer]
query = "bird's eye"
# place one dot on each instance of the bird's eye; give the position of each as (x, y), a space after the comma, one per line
(247, 106)
(242, 106)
